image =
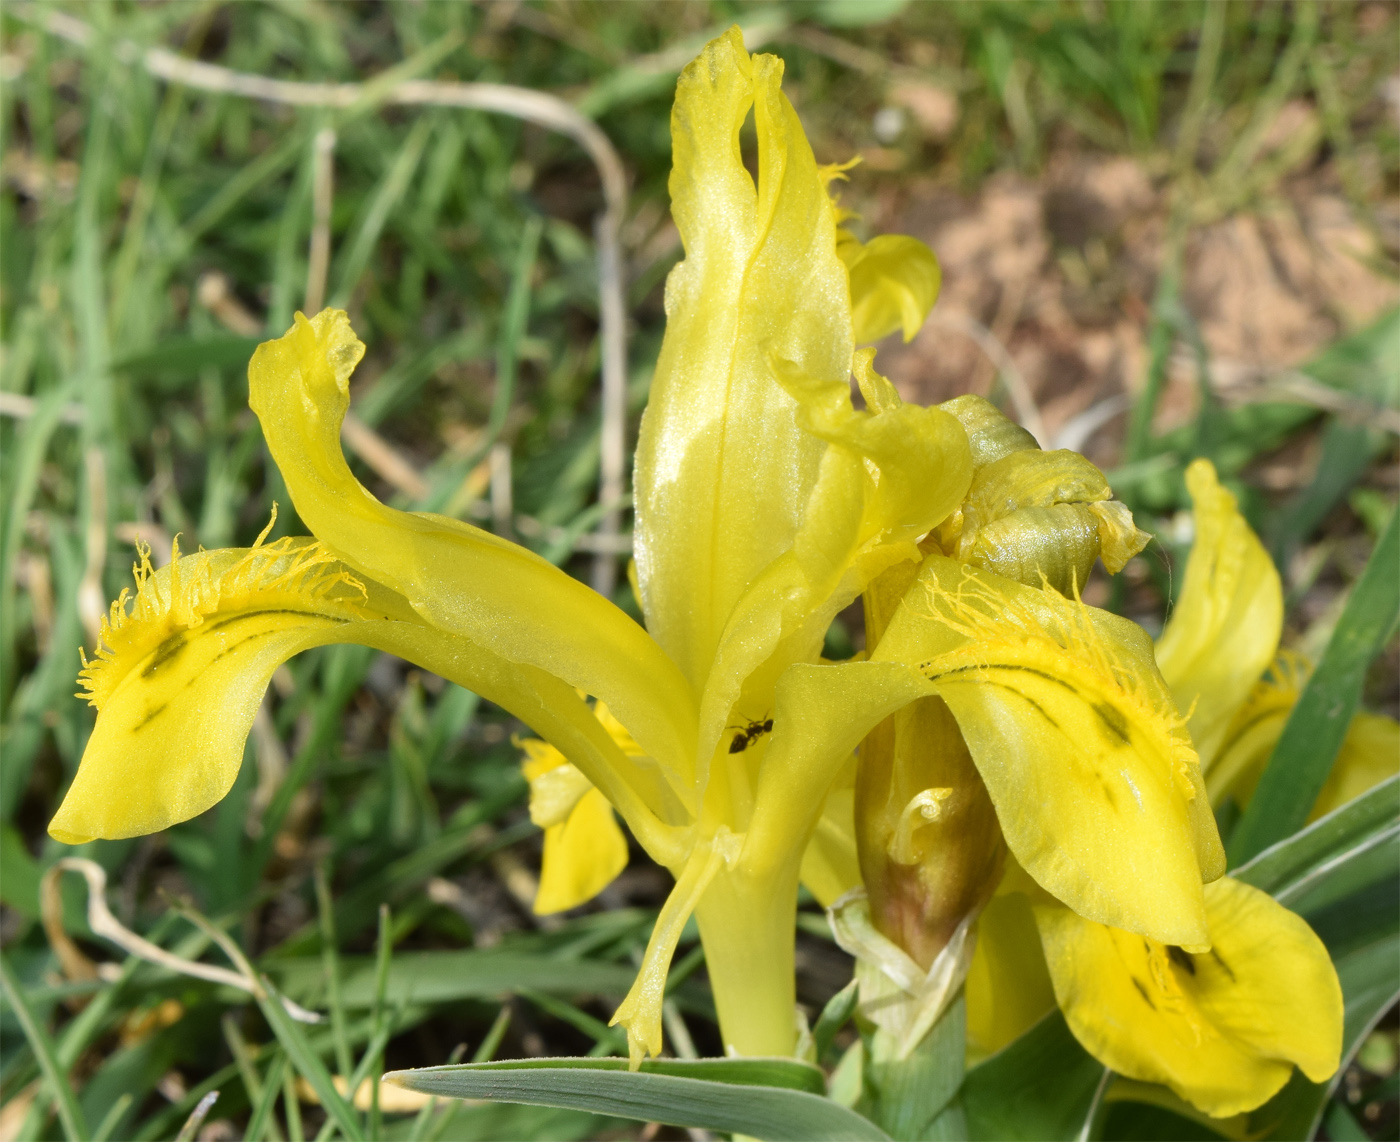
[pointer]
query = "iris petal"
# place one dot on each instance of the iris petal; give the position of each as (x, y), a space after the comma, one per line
(1223, 1029)
(1224, 629)
(1096, 786)
(723, 471)
(183, 674)
(465, 581)
(894, 283)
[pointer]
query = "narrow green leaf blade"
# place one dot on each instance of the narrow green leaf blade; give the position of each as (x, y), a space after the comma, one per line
(734, 1095)
(1303, 757)
(1311, 859)
(293, 1041)
(442, 977)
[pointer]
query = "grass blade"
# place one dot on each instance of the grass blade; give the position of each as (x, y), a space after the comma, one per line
(262, 1112)
(299, 1051)
(1303, 757)
(69, 1112)
(330, 959)
(197, 1117)
(111, 1118)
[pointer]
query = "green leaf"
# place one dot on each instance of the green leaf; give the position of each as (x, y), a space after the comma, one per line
(441, 977)
(837, 1012)
(183, 357)
(1042, 1088)
(1350, 848)
(293, 1041)
(774, 1099)
(1303, 757)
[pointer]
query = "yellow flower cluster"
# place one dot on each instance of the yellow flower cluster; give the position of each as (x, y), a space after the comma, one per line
(1012, 736)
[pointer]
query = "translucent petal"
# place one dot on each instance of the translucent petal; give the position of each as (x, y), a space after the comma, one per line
(990, 433)
(1224, 629)
(894, 283)
(1096, 787)
(1224, 1028)
(502, 597)
(723, 471)
(1036, 517)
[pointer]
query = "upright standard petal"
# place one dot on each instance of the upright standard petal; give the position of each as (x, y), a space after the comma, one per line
(1224, 629)
(894, 283)
(1096, 786)
(1222, 1029)
(500, 596)
(723, 469)
(890, 472)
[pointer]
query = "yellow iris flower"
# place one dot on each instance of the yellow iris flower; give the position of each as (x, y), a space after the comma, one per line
(1223, 1030)
(765, 504)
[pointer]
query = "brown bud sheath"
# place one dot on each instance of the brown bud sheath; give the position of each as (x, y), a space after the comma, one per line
(927, 838)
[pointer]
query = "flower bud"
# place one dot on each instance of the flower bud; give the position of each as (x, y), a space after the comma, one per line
(1036, 517)
(927, 838)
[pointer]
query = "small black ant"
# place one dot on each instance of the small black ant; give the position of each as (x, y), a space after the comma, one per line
(750, 734)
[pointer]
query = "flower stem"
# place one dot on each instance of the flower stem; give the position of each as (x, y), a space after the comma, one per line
(746, 926)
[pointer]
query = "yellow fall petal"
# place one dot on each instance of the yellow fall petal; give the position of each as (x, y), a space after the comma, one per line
(1222, 1029)
(1008, 984)
(894, 282)
(583, 854)
(1097, 789)
(180, 677)
(502, 597)
(584, 849)
(183, 674)
(1224, 630)
(723, 471)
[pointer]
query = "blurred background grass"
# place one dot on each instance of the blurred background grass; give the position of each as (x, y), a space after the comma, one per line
(1168, 230)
